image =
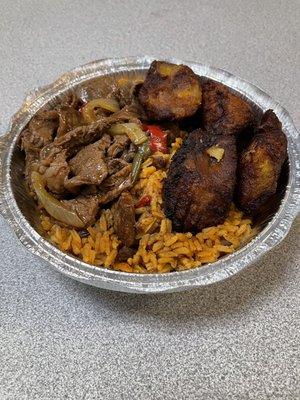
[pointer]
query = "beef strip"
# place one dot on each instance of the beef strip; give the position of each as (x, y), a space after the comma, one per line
(57, 173)
(69, 119)
(114, 185)
(124, 90)
(129, 153)
(101, 87)
(83, 135)
(40, 131)
(86, 152)
(86, 207)
(114, 165)
(199, 188)
(124, 219)
(89, 165)
(123, 148)
(119, 144)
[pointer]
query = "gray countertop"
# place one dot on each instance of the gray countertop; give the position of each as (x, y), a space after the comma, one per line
(63, 340)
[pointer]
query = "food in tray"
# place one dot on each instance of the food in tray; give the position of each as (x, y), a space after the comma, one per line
(260, 164)
(170, 92)
(152, 175)
(199, 186)
(223, 112)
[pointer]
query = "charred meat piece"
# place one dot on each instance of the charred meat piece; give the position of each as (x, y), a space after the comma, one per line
(199, 186)
(260, 164)
(222, 111)
(124, 219)
(170, 91)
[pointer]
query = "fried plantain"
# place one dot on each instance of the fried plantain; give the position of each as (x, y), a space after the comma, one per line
(222, 111)
(260, 164)
(199, 186)
(170, 92)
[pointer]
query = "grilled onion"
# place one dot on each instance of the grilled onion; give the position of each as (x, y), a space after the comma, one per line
(132, 130)
(53, 206)
(88, 111)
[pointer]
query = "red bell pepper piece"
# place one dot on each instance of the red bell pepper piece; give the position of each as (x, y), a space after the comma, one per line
(143, 202)
(158, 138)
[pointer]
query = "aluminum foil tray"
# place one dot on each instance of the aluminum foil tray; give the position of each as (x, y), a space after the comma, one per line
(19, 210)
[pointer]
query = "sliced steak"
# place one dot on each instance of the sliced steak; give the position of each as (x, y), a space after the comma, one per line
(129, 153)
(82, 136)
(40, 131)
(114, 165)
(69, 119)
(118, 146)
(89, 166)
(114, 185)
(86, 207)
(57, 173)
(124, 219)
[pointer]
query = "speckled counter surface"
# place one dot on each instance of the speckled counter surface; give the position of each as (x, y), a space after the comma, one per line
(236, 340)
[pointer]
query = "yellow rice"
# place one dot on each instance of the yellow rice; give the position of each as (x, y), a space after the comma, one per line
(160, 250)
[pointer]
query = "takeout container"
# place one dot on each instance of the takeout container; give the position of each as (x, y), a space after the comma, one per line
(19, 210)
